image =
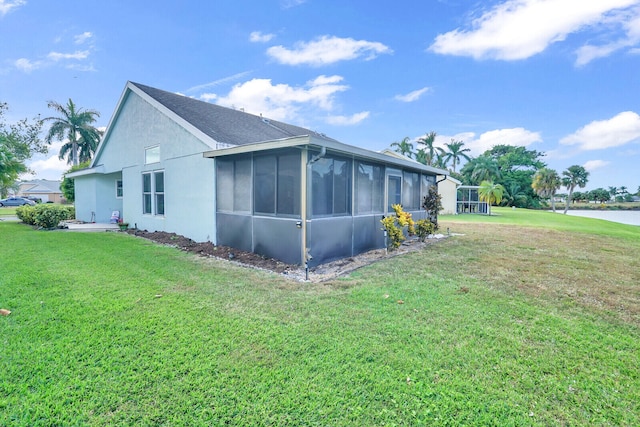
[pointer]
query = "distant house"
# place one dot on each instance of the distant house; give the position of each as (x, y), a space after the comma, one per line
(469, 200)
(172, 163)
(43, 189)
(448, 189)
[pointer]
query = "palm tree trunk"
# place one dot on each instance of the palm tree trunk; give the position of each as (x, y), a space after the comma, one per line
(566, 206)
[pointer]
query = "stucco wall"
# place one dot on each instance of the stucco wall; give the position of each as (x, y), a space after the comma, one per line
(447, 189)
(188, 177)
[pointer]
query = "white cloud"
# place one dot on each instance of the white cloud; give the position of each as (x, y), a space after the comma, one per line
(519, 29)
(347, 120)
(223, 80)
(630, 23)
(288, 4)
(258, 37)
(281, 101)
(7, 5)
(82, 38)
(412, 96)
(24, 64)
(592, 165)
(327, 50)
(601, 134)
(519, 137)
(49, 168)
(79, 55)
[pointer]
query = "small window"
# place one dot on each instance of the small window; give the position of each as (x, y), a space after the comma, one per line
(146, 193)
(119, 188)
(152, 155)
(159, 192)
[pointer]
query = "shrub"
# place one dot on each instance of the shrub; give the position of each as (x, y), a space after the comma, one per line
(432, 203)
(395, 224)
(424, 227)
(26, 214)
(45, 215)
(49, 216)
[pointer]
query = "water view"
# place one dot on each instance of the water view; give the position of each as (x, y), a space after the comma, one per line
(623, 217)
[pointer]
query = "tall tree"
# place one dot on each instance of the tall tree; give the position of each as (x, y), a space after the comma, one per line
(574, 176)
(490, 193)
(545, 183)
(481, 168)
(18, 142)
(404, 147)
(76, 124)
(455, 152)
(430, 151)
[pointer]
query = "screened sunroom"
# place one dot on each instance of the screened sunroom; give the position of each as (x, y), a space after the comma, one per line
(469, 200)
(310, 199)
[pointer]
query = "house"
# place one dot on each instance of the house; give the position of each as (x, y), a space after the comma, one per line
(172, 163)
(43, 189)
(448, 189)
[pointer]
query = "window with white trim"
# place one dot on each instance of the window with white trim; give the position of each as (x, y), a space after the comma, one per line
(152, 155)
(119, 189)
(153, 193)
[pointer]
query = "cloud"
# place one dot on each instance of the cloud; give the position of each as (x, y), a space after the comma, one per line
(7, 5)
(592, 165)
(412, 96)
(223, 80)
(82, 38)
(281, 101)
(347, 120)
(327, 50)
(630, 23)
(288, 4)
(519, 137)
(258, 37)
(602, 134)
(519, 29)
(78, 55)
(26, 65)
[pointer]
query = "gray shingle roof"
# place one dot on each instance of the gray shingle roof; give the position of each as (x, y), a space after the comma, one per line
(223, 124)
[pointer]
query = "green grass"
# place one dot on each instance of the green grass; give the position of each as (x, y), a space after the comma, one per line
(7, 211)
(107, 329)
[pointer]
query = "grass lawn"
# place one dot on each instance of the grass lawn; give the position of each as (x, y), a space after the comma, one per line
(7, 211)
(527, 318)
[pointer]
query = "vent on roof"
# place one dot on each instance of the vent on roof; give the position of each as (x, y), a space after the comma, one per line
(266, 121)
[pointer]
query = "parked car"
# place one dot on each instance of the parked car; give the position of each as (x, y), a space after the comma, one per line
(16, 201)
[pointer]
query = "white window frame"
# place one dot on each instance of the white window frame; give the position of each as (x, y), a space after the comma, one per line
(152, 154)
(153, 193)
(119, 187)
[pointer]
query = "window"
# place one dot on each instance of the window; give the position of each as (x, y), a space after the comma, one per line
(410, 191)
(146, 193)
(152, 155)
(369, 188)
(277, 184)
(331, 182)
(159, 192)
(118, 188)
(153, 193)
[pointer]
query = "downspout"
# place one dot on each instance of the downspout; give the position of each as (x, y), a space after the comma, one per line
(306, 185)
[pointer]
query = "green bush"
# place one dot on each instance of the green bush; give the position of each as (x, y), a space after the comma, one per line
(424, 227)
(26, 214)
(45, 215)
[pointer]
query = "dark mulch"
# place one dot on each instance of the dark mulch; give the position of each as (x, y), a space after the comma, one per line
(209, 249)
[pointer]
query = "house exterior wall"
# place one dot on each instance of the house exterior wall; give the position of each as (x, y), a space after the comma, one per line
(188, 177)
(447, 189)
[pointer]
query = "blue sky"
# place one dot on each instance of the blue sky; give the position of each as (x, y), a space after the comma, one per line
(557, 76)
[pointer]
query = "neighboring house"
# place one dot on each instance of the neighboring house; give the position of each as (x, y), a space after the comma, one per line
(447, 188)
(43, 189)
(172, 163)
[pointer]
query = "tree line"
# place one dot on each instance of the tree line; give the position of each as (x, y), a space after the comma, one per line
(507, 175)
(20, 141)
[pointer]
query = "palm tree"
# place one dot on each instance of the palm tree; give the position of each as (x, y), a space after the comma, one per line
(404, 147)
(484, 169)
(490, 193)
(429, 150)
(455, 152)
(574, 176)
(76, 125)
(545, 183)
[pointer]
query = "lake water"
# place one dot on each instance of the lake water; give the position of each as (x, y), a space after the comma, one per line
(623, 217)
